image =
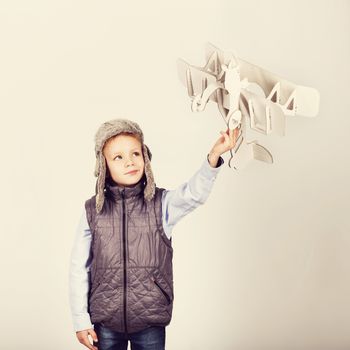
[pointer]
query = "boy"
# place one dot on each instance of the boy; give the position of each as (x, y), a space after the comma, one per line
(121, 277)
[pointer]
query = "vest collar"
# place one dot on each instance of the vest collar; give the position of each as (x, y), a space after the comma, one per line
(116, 190)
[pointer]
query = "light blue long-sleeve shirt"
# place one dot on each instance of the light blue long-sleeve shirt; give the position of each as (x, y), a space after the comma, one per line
(175, 205)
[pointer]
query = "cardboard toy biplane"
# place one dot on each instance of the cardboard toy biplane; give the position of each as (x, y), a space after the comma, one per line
(246, 95)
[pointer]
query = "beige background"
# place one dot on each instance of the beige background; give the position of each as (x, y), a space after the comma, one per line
(264, 264)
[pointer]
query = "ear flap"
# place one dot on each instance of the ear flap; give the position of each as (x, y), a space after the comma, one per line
(100, 183)
(149, 190)
(148, 152)
(97, 165)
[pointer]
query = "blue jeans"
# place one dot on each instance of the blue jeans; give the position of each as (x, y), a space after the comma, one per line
(152, 338)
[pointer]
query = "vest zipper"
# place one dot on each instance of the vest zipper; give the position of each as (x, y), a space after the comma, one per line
(124, 257)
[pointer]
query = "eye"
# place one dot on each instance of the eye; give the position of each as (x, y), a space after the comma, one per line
(120, 157)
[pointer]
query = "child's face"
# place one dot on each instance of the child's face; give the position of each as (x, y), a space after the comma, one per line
(123, 154)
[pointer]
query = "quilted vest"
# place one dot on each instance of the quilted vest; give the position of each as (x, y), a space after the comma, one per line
(131, 279)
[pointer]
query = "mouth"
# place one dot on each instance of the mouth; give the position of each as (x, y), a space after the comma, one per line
(132, 172)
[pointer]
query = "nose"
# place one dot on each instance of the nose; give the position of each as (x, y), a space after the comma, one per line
(128, 162)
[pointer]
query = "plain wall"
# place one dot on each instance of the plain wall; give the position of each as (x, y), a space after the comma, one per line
(264, 263)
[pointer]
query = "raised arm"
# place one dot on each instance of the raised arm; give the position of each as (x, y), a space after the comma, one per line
(179, 202)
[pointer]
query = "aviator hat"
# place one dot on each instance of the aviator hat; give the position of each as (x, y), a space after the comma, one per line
(107, 130)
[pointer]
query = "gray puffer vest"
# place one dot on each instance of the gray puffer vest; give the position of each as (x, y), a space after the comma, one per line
(131, 280)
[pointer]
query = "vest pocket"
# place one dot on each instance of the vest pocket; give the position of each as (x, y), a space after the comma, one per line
(165, 294)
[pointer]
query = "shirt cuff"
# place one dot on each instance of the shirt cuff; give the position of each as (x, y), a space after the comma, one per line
(82, 322)
(208, 171)
(218, 164)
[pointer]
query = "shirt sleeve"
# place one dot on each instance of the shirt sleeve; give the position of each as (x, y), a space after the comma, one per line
(79, 275)
(179, 202)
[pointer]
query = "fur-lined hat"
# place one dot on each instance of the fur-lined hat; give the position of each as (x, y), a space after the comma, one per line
(106, 131)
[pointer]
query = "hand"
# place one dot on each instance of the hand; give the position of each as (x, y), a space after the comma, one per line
(226, 142)
(84, 339)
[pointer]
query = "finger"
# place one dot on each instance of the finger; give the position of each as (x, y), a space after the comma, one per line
(86, 341)
(236, 133)
(231, 134)
(224, 134)
(239, 131)
(93, 334)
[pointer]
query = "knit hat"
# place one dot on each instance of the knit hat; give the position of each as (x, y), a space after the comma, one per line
(106, 131)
